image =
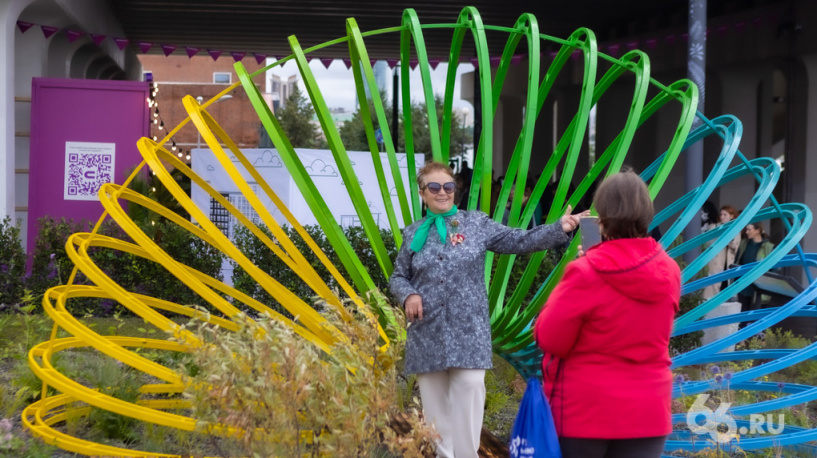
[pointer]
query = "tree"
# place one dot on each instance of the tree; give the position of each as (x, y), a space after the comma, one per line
(296, 121)
(353, 133)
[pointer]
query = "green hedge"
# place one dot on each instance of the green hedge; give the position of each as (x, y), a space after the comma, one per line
(263, 257)
(50, 265)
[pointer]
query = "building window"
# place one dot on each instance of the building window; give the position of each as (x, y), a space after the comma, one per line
(222, 78)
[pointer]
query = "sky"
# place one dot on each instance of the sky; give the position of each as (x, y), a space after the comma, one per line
(337, 83)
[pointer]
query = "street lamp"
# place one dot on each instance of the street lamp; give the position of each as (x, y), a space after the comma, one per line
(200, 100)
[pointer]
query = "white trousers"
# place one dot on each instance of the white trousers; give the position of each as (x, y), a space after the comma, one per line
(454, 402)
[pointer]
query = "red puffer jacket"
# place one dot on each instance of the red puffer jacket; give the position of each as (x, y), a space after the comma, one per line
(607, 326)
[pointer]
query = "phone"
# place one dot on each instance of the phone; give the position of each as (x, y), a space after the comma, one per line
(591, 233)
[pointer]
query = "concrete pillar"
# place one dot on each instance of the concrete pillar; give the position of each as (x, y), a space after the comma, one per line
(806, 191)
(9, 13)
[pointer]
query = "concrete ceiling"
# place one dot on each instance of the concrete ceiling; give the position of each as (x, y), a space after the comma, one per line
(263, 26)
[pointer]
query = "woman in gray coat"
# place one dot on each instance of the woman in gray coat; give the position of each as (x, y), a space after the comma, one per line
(439, 277)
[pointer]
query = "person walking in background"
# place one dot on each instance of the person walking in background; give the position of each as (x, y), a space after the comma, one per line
(709, 216)
(605, 333)
(439, 277)
(725, 257)
(754, 247)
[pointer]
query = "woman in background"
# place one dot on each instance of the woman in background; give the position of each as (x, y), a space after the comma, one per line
(605, 332)
(754, 247)
(725, 257)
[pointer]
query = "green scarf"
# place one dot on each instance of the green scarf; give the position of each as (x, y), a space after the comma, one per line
(438, 219)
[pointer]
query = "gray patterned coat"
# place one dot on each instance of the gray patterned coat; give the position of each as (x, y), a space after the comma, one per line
(455, 330)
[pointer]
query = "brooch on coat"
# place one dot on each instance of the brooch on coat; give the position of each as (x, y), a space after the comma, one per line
(456, 238)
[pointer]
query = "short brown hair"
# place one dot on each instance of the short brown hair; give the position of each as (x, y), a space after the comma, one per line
(624, 206)
(430, 167)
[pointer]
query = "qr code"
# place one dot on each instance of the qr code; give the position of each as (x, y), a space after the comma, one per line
(85, 173)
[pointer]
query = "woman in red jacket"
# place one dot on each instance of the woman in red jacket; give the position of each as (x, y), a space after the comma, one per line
(605, 332)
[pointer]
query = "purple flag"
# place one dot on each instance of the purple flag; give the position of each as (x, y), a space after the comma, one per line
(670, 39)
(433, 63)
(214, 53)
(191, 51)
(475, 62)
(326, 61)
(259, 58)
(121, 43)
(73, 35)
(23, 26)
(145, 46)
(495, 61)
(392, 63)
(168, 49)
(632, 45)
(516, 59)
(97, 38)
(48, 30)
(237, 56)
(347, 63)
(413, 63)
(614, 49)
(651, 42)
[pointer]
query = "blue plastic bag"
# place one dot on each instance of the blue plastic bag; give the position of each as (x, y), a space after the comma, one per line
(534, 434)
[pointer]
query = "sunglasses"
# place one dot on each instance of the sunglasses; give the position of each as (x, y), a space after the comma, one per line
(436, 187)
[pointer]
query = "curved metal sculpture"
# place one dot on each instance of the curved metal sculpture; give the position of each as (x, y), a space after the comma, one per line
(511, 315)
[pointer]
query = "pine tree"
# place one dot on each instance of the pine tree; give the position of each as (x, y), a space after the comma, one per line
(296, 121)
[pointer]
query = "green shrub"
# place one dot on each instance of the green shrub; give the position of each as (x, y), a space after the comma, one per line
(272, 386)
(51, 265)
(12, 264)
(260, 255)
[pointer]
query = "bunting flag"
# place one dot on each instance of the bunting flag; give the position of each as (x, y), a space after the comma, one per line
(23, 26)
(121, 43)
(73, 35)
(48, 30)
(309, 59)
(168, 49)
(97, 38)
(260, 58)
